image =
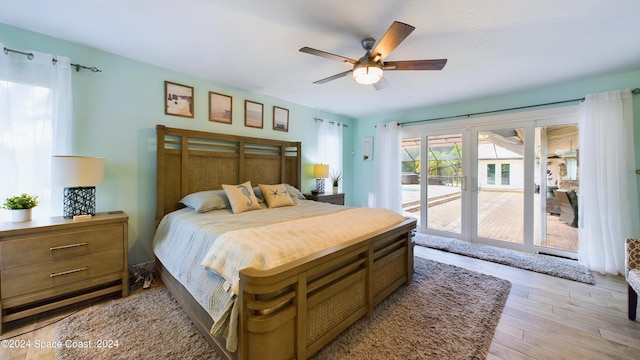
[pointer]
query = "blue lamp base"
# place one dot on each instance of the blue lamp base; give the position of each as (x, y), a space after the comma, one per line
(320, 186)
(79, 201)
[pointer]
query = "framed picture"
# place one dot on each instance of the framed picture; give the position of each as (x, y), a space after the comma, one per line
(253, 114)
(178, 99)
(220, 108)
(280, 119)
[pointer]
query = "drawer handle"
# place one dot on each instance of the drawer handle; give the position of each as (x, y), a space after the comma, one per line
(69, 272)
(62, 247)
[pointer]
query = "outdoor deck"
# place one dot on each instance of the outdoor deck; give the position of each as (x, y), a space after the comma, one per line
(501, 215)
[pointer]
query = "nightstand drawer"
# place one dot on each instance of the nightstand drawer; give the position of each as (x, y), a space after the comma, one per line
(55, 247)
(32, 278)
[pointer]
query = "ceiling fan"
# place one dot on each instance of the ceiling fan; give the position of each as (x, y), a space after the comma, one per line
(369, 68)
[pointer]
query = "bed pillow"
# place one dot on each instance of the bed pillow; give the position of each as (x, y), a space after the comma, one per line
(276, 195)
(241, 197)
(203, 201)
(258, 193)
(294, 193)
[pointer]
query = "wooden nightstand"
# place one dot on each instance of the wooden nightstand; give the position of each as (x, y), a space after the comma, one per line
(49, 263)
(337, 199)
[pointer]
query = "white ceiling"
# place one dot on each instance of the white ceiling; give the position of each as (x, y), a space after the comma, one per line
(493, 46)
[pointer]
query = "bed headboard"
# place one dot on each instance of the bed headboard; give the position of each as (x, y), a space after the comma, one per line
(190, 161)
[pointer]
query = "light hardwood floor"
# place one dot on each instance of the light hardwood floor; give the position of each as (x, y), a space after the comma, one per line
(544, 318)
(551, 318)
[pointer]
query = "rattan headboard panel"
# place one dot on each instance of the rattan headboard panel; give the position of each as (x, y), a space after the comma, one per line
(189, 161)
(207, 172)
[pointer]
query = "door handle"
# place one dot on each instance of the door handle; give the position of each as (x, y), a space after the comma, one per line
(464, 183)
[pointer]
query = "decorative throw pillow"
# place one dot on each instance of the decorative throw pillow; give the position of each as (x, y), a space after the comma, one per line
(241, 197)
(204, 201)
(294, 193)
(276, 195)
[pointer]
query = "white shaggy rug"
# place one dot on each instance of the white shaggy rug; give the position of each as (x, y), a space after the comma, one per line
(447, 312)
(545, 264)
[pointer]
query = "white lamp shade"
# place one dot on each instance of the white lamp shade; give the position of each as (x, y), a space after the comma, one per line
(367, 75)
(77, 171)
(321, 171)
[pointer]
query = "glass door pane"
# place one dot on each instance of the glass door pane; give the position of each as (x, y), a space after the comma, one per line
(500, 185)
(557, 186)
(445, 183)
(411, 156)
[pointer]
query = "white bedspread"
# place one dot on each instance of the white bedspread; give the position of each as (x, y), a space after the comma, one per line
(267, 247)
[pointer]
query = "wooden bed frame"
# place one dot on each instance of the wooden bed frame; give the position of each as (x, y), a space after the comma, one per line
(292, 311)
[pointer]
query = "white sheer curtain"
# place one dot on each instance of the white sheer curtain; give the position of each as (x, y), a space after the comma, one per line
(608, 200)
(35, 123)
(387, 165)
(330, 149)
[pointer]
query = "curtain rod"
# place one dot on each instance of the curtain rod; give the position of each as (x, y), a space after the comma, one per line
(53, 61)
(635, 91)
(330, 122)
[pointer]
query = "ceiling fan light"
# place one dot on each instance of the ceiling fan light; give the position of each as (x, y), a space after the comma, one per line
(367, 75)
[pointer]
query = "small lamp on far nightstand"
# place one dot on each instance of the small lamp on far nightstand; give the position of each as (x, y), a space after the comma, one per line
(79, 176)
(320, 172)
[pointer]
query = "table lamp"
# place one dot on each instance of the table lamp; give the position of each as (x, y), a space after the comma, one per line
(79, 176)
(320, 172)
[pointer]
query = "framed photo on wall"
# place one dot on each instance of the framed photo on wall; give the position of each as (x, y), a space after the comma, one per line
(253, 114)
(280, 119)
(220, 108)
(178, 99)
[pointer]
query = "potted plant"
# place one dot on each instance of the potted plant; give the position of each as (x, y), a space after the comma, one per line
(20, 206)
(335, 179)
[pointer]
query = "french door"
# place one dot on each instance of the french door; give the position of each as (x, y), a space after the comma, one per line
(495, 183)
(446, 180)
(499, 197)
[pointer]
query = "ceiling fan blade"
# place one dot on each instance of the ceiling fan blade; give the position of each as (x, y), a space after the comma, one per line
(381, 84)
(415, 65)
(327, 55)
(336, 76)
(396, 33)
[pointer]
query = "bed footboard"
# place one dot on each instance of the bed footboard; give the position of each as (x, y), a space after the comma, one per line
(292, 311)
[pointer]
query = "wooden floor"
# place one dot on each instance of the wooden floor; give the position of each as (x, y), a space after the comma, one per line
(551, 318)
(500, 217)
(544, 318)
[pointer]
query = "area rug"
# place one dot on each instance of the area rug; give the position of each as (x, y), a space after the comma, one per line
(146, 325)
(445, 313)
(545, 264)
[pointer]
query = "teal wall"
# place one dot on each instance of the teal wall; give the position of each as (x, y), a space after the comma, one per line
(364, 172)
(115, 114)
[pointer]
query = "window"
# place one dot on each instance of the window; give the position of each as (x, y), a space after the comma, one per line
(35, 118)
(504, 174)
(330, 148)
(491, 174)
